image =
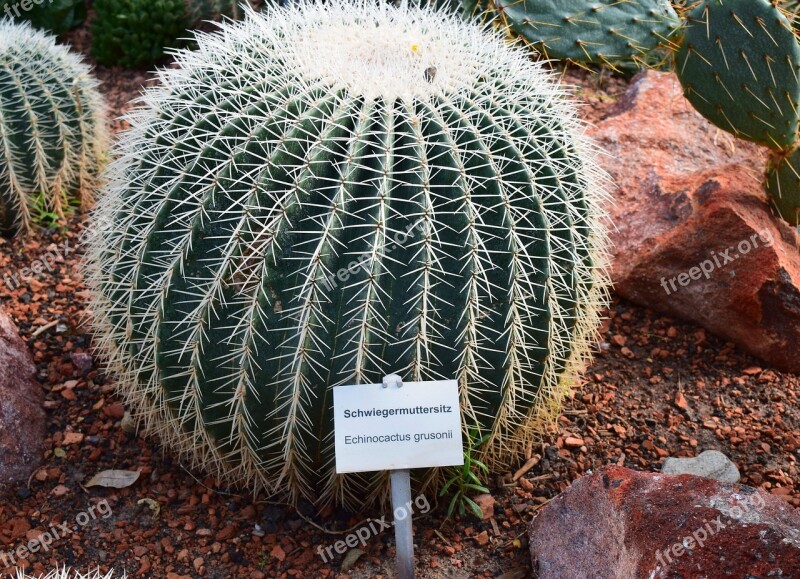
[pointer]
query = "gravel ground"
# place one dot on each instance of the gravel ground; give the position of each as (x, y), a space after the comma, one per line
(657, 388)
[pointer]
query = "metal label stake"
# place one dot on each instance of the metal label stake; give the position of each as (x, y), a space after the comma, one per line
(394, 426)
(401, 499)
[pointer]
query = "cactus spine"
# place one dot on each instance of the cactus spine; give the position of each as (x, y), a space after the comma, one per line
(52, 128)
(67, 573)
(420, 201)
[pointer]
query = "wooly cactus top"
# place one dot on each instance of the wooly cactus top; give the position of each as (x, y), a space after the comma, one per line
(327, 193)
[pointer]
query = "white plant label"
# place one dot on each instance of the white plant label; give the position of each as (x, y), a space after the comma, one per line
(414, 426)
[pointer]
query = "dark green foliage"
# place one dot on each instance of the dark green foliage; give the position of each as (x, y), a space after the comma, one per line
(135, 33)
(55, 16)
(463, 480)
(738, 64)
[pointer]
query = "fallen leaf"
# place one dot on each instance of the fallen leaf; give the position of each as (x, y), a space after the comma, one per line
(117, 479)
(60, 491)
(351, 558)
(152, 505)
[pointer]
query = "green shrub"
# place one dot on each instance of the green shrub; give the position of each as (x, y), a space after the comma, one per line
(55, 16)
(136, 33)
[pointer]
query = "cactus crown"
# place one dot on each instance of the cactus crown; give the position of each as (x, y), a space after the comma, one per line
(420, 200)
(52, 127)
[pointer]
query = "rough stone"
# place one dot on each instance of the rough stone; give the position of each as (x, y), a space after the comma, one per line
(22, 417)
(619, 524)
(694, 236)
(710, 464)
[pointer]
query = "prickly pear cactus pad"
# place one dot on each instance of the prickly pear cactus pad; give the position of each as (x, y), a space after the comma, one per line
(783, 186)
(592, 31)
(52, 128)
(739, 63)
(325, 194)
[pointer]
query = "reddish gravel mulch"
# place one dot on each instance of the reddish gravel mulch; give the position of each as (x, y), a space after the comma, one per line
(658, 388)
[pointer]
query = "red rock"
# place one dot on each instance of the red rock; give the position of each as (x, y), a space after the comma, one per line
(226, 533)
(486, 503)
(622, 523)
(81, 360)
(72, 438)
(116, 411)
(278, 553)
(573, 442)
(689, 198)
(59, 490)
(22, 418)
(680, 400)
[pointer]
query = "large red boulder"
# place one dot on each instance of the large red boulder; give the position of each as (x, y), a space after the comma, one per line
(694, 236)
(623, 524)
(22, 417)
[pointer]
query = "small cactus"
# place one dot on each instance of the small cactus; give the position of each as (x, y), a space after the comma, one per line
(421, 200)
(52, 128)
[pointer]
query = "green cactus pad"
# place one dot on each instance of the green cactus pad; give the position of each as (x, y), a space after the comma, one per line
(738, 64)
(589, 31)
(783, 186)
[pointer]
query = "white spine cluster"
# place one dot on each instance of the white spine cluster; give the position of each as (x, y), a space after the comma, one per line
(67, 573)
(52, 126)
(302, 141)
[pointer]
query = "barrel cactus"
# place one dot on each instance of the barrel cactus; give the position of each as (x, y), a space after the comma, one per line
(52, 128)
(422, 200)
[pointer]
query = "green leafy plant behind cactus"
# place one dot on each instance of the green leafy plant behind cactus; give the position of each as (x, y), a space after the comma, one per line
(136, 33)
(55, 16)
(419, 201)
(52, 128)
